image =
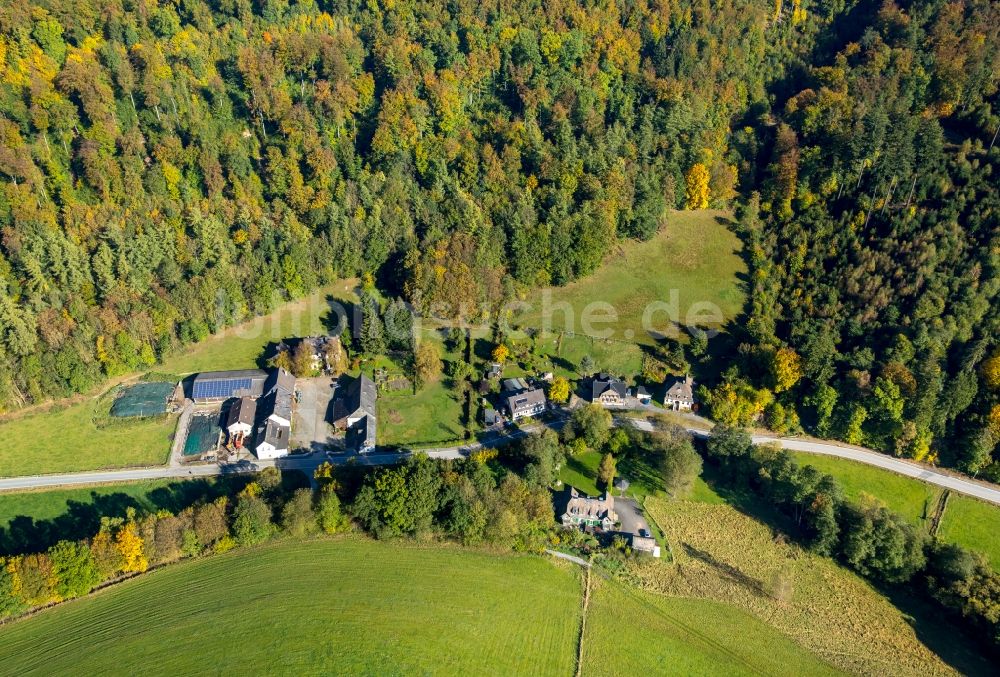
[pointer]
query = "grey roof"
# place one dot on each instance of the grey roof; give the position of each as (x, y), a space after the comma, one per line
(242, 411)
(282, 404)
(682, 389)
(361, 435)
(641, 391)
(525, 400)
(358, 397)
(604, 382)
(276, 434)
(515, 384)
(584, 507)
(285, 381)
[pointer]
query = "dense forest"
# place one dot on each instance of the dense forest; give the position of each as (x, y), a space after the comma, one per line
(169, 167)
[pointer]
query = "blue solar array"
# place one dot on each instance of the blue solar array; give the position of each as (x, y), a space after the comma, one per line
(222, 388)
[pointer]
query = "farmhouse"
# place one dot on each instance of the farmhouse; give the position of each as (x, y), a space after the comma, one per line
(680, 396)
(239, 423)
(526, 403)
(584, 511)
(323, 353)
(276, 411)
(217, 386)
(354, 411)
(608, 391)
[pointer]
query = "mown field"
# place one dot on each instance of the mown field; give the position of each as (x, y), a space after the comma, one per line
(65, 439)
(724, 555)
(325, 606)
(974, 524)
(631, 633)
(695, 254)
(913, 499)
(967, 521)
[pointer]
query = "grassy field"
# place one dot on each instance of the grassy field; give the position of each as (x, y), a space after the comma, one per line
(684, 636)
(724, 555)
(695, 254)
(343, 606)
(913, 499)
(974, 524)
(51, 503)
(240, 347)
(67, 439)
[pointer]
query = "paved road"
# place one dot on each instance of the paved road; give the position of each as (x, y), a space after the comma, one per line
(918, 471)
(308, 463)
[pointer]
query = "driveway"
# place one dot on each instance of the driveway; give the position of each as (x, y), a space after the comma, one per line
(630, 516)
(310, 422)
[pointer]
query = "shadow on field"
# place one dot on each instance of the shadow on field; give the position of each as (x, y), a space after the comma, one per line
(938, 631)
(82, 519)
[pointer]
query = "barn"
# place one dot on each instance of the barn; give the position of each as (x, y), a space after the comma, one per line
(216, 386)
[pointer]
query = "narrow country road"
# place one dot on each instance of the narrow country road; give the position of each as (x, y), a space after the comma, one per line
(308, 463)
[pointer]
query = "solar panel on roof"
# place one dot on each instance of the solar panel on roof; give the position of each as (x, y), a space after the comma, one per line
(220, 388)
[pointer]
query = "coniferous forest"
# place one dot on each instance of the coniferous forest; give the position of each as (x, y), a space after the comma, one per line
(158, 157)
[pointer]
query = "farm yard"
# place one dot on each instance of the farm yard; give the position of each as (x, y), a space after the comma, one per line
(420, 610)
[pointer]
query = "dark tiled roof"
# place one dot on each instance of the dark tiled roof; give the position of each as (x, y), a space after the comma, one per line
(603, 383)
(359, 397)
(242, 411)
(276, 434)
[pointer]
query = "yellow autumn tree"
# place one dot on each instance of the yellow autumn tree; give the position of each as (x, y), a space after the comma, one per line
(991, 371)
(130, 545)
(559, 391)
(697, 187)
(786, 369)
(994, 421)
(501, 353)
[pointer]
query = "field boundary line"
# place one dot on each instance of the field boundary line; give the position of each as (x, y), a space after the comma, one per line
(583, 624)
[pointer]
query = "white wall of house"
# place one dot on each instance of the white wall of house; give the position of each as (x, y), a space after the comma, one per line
(279, 420)
(267, 451)
(239, 428)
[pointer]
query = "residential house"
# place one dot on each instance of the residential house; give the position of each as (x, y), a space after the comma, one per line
(354, 411)
(524, 403)
(584, 511)
(608, 391)
(680, 396)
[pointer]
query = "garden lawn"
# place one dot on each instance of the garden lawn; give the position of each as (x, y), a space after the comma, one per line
(67, 439)
(634, 633)
(242, 346)
(913, 499)
(724, 555)
(695, 253)
(973, 524)
(580, 471)
(341, 606)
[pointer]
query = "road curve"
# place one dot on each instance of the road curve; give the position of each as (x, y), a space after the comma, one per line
(961, 485)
